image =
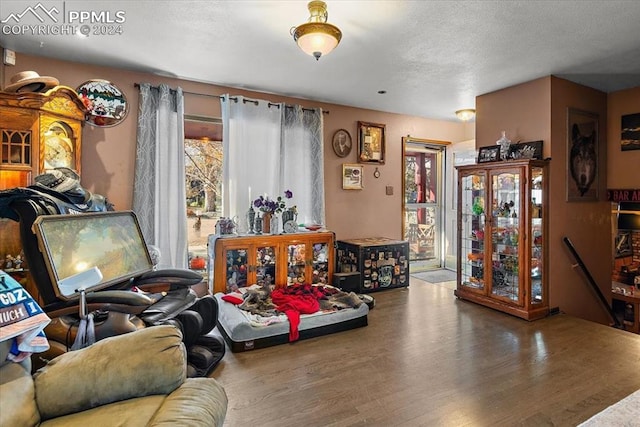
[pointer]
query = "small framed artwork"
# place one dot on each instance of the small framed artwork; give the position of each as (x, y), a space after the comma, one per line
(341, 143)
(489, 154)
(630, 132)
(623, 244)
(371, 143)
(352, 176)
(525, 150)
(582, 156)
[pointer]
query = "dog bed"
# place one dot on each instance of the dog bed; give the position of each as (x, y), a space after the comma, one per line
(241, 335)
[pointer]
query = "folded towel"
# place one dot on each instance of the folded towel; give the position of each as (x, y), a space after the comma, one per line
(21, 320)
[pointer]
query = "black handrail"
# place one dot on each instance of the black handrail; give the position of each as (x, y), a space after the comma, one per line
(603, 299)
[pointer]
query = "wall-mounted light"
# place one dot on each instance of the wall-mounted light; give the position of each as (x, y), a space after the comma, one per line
(317, 37)
(466, 114)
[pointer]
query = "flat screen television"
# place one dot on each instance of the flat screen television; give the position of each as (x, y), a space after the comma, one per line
(110, 241)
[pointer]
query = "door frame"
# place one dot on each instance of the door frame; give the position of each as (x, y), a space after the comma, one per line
(442, 164)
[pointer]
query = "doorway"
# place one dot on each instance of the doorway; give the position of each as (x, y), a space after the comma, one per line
(423, 200)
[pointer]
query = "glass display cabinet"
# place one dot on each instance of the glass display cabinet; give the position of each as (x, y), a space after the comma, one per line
(502, 229)
(281, 259)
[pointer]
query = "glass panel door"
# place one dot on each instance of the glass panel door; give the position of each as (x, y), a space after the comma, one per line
(537, 244)
(237, 268)
(265, 265)
(423, 195)
(473, 199)
(296, 263)
(320, 263)
(505, 234)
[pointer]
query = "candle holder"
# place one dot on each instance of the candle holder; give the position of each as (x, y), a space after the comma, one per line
(251, 218)
(257, 225)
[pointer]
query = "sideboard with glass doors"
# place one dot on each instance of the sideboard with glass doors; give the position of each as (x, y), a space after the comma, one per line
(502, 236)
(237, 261)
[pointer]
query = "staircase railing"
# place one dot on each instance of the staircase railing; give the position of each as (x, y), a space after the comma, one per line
(594, 285)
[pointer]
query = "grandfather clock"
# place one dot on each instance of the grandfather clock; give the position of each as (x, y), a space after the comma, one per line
(39, 131)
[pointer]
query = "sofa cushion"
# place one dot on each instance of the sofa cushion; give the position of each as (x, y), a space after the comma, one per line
(83, 379)
(127, 413)
(18, 397)
(199, 402)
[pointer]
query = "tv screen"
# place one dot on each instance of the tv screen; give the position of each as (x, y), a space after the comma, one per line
(110, 241)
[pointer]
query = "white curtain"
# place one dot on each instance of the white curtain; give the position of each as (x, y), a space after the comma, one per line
(251, 154)
(159, 185)
(302, 166)
(270, 148)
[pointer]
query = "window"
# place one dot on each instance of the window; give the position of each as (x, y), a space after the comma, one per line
(203, 183)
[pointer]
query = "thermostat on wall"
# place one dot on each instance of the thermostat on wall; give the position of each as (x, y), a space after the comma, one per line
(9, 57)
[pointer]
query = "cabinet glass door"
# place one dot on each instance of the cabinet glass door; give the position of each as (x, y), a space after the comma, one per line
(320, 263)
(537, 244)
(297, 263)
(505, 234)
(473, 198)
(237, 268)
(266, 265)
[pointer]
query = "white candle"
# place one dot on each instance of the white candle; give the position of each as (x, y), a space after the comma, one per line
(250, 201)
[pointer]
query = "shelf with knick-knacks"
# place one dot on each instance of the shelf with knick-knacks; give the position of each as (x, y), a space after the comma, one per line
(501, 228)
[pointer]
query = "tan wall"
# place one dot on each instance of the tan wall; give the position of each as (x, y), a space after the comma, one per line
(109, 153)
(521, 111)
(538, 110)
(586, 224)
(623, 171)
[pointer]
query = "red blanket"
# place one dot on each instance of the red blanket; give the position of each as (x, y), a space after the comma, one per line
(293, 305)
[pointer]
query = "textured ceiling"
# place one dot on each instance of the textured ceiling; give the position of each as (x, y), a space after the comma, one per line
(431, 57)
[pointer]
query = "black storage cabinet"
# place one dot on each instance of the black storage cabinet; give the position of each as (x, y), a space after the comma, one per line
(383, 263)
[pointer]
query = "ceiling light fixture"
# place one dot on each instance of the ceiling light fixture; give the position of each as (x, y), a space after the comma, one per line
(466, 114)
(317, 37)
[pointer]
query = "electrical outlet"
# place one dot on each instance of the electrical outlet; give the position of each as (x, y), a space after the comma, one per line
(389, 190)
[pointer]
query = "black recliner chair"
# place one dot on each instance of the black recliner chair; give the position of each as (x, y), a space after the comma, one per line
(154, 297)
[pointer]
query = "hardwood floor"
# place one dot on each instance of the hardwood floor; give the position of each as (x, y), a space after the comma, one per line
(428, 359)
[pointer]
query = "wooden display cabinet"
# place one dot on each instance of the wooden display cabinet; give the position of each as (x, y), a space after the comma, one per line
(502, 233)
(38, 131)
(283, 259)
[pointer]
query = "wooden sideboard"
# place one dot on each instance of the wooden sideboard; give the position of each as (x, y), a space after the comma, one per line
(281, 259)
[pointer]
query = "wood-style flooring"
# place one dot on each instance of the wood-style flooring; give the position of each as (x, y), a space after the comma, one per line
(429, 359)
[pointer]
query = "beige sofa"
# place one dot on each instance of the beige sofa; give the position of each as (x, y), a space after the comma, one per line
(136, 379)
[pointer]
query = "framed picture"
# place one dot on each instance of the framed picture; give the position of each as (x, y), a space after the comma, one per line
(106, 103)
(489, 154)
(525, 150)
(352, 176)
(630, 132)
(582, 156)
(341, 143)
(623, 244)
(371, 143)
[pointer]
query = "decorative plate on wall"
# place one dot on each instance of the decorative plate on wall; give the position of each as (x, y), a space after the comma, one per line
(106, 103)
